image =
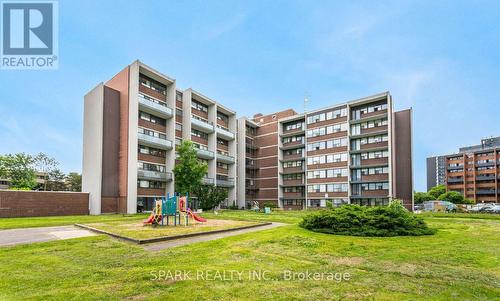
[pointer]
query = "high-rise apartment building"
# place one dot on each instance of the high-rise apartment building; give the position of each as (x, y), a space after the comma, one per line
(356, 152)
(473, 171)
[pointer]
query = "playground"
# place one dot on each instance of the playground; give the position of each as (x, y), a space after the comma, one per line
(171, 217)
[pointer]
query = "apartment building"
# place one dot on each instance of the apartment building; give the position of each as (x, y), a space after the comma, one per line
(436, 171)
(475, 172)
(132, 124)
(471, 171)
(358, 152)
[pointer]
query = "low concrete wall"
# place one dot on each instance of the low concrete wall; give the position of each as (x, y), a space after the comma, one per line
(17, 203)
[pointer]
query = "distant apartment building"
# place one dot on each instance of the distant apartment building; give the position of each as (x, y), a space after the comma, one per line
(356, 152)
(475, 171)
(436, 171)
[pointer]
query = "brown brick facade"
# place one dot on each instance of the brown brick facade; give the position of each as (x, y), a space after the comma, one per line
(15, 203)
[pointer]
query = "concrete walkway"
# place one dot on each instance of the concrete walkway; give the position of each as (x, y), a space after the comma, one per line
(185, 241)
(31, 235)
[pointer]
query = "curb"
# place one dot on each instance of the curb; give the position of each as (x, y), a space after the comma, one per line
(175, 237)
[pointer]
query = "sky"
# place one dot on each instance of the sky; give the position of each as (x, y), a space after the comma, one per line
(440, 58)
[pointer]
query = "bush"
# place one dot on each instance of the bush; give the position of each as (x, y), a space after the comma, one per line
(392, 220)
(271, 205)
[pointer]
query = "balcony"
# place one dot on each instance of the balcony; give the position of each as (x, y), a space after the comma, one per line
(456, 180)
(224, 133)
(225, 183)
(492, 163)
(485, 191)
(154, 175)
(297, 169)
(155, 107)
(157, 142)
(293, 195)
(455, 167)
(225, 158)
(208, 181)
(250, 164)
(485, 178)
(293, 144)
(205, 154)
(297, 182)
(201, 125)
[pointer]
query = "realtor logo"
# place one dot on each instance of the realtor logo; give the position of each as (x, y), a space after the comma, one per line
(29, 35)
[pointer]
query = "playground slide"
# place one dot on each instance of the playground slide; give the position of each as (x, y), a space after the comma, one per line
(150, 219)
(195, 216)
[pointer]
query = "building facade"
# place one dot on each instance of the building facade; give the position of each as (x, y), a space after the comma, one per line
(474, 171)
(357, 152)
(132, 124)
(436, 171)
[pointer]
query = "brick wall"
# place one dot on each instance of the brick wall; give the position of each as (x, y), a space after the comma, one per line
(15, 203)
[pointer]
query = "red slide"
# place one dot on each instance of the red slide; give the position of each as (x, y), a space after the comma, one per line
(196, 217)
(150, 219)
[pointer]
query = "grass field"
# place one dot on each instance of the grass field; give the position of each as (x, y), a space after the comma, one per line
(136, 229)
(460, 262)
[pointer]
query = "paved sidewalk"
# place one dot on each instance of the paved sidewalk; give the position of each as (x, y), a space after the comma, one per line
(31, 235)
(185, 241)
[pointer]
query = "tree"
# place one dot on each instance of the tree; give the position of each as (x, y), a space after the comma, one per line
(56, 181)
(74, 181)
(190, 171)
(19, 169)
(421, 197)
(454, 197)
(46, 165)
(436, 191)
(210, 196)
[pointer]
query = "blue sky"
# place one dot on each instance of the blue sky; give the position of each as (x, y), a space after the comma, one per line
(441, 58)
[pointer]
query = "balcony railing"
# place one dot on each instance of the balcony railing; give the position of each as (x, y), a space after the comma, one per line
(157, 142)
(205, 154)
(154, 175)
(208, 181)
(224, 133)
(458, 180)
(485, 191)
(225, 158)
(485, 178)
(225, 183)
(202, 125)
(492, 163)
(159, 108)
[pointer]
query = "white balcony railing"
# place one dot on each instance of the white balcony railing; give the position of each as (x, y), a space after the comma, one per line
(224, 133)
(202, 125)
(152, 106)
(225, 158)
(225, 183)
(157, 142)
(205, 154)
(154, 175)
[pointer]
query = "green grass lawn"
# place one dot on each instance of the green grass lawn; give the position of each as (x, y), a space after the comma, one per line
(460, 262)
(136, 229)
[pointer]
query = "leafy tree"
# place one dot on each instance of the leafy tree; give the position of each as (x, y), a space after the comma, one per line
(421, 197)
(46, 165)
(454, 197)
(436, 191)
(56, 181)
(74, 181)
(210, 196)
(19, 169)
(190, 171)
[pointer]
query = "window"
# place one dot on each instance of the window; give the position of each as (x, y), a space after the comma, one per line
(178, 127)
(199, 134)
(178, 96)
(199, 106)
(178, 112)
(327, 173)
(293, 139)
(151, 184)
(151, 166)
(222, 142)
(222, 117)
(152, 84)
(222, 165)
(151, 151)
(291, 164)
(327, 116)
(293, 126)
(152, 118)
(336, 187)
(151, 133)
(333, 158)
